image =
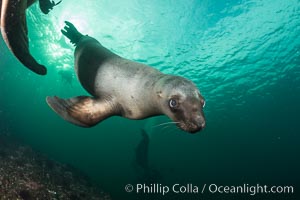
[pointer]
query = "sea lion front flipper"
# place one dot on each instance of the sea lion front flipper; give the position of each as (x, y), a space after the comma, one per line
(82, 110)
(14, 32)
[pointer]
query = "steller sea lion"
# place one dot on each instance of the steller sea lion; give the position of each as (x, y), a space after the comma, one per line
(125, 88)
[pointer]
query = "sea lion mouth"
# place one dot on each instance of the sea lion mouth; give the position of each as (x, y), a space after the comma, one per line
(190, 127)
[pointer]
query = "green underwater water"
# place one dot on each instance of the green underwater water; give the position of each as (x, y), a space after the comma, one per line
(243, 55)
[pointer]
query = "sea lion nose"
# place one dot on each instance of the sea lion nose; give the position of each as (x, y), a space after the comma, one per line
(200, 121)
(203, 124)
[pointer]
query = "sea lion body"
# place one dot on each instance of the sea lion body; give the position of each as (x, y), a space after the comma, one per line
(126, 88)
(131, 80)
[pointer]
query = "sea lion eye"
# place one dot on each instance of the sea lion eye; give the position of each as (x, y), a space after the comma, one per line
(172, 103)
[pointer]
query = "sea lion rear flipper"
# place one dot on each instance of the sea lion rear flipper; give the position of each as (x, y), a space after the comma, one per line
(14, 32)
(82, 110)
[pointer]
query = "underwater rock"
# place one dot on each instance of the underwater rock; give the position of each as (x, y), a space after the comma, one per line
(25, 194)
(28, 175)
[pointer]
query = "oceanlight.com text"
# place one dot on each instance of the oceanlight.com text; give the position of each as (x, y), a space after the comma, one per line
(177, 188)
(250, 189)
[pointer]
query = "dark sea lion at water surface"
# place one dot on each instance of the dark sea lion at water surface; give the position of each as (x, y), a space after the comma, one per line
(15, 33)
(126, 88)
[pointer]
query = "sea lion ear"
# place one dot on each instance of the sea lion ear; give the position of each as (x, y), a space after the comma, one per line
(203, 102)
(82, 110)
(159, 94)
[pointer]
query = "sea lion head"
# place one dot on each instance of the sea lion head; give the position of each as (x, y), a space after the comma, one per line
(182, 102)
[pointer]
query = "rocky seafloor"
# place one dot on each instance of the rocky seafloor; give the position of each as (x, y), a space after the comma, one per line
(29, 175)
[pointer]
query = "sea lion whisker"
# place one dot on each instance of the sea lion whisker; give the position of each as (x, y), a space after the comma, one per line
(168, 128)
(166, 123)
(163, 126)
